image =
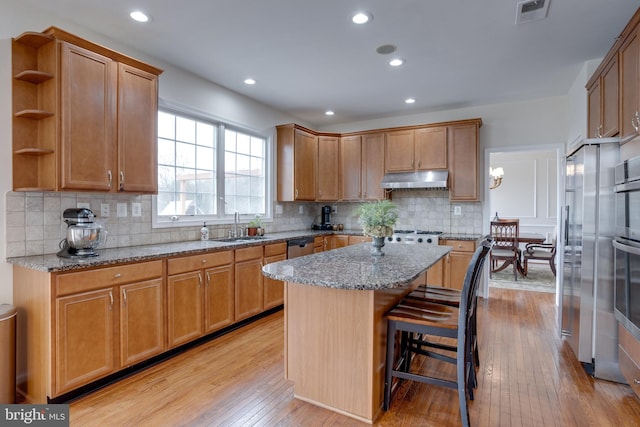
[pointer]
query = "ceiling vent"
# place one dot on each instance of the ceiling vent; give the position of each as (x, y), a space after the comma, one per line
(531, 10)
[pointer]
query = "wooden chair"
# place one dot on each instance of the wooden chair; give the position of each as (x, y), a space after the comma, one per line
(505, 249)
(451, 297)
(432, 321)
(540, 251)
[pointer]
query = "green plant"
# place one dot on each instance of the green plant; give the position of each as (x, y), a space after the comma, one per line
(256, 222)
(377, 218)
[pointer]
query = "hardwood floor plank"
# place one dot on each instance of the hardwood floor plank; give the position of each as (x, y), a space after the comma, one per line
(528, 376)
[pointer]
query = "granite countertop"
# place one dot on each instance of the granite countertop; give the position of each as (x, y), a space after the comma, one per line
(50, 263)
(353, 267)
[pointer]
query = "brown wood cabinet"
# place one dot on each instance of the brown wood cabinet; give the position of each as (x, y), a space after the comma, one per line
(328, 180)
(89, 306)
(457, 262)
(84, 116)
(350, 169)
(372, 166)
(297, 157)
(603, 95)
(629, 357)
(399, 150)
(200, 292)
(629, 87)
(436, 273)
(249, 298)
(274, 289)
(463, 162)
(354, 240)
(320, 244)
(431, 148)
(338, 241)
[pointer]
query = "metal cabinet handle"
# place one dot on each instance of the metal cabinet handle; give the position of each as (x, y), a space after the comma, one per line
(124, 297)
(117, 275)
(600, 131)
(121, 180)
(111, 298)
(635, 122)
(200, 279)
(110, 177)
(296, 196)
(208, 278)
(204, 261)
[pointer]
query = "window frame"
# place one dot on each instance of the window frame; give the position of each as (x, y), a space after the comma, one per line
(221, 218)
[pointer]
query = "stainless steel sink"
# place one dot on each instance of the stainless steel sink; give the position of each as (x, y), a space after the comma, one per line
(239, 239)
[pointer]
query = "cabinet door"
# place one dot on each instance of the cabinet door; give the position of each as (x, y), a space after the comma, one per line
(594, 105)
(328, 148)
(372, 166)
(84, 343)
(87, 119)
(629, 57)
(137, 130)
(339, 241)
(610, 97)
(458, 265)
(399, 151)
(463, 163)
(249, 288)
(435, 273)
(355, 240)
(273, 289)
(184, 306)
(350, 164)
(141, 321)
(305, 165)
(219, 298)
(431, 148)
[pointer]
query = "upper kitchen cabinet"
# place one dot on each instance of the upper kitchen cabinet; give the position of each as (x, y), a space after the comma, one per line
(399, 150)
(297, 157)
(372, 166)
(463, 161)
(629, 97)
(328, 154)
(431, 148)
(602, 94)
(84, 116)
(350, 167)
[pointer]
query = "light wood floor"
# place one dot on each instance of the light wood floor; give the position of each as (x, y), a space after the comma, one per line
(528, 377)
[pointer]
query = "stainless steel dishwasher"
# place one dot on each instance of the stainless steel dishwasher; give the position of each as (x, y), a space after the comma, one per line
(299, 247)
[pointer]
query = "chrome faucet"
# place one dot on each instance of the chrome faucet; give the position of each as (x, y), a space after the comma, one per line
(236, 218)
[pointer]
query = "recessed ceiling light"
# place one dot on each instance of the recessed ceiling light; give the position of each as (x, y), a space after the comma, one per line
(139, 16)
(396, 62)
(329, 113)
(386, 49)
(249, 81)
(409, 101)
(362, 17)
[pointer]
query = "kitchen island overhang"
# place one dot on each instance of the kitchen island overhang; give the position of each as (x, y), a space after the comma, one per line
(335, 326)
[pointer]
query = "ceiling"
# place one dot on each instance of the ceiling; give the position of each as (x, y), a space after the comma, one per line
(307, 56)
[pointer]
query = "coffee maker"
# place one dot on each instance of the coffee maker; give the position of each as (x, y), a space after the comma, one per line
(325, 223)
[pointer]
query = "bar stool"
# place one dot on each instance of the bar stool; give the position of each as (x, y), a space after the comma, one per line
(411, 317)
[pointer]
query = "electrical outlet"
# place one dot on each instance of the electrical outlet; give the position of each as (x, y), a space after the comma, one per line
(122, 210)
(334, 209)
(136, 209)
(457, 210)
(105, 210)
(300, 209)
(278, 209)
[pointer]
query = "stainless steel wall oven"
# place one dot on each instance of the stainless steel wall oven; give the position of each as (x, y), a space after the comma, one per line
(627, 245)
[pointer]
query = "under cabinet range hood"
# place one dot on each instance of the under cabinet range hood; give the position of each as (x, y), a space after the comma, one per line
(435, 179)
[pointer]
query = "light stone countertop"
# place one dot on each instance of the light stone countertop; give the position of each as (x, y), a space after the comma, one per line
(354, 268)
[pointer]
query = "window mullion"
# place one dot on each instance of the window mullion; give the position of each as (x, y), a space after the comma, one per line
(220, 170)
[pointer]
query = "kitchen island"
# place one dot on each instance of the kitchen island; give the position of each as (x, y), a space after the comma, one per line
(335, 328)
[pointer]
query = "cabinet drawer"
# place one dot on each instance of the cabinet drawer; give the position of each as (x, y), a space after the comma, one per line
(629, 370)
(275, 249)
(253, 252)
(69, 283)
(629, 343)
(196, 262)
(460, 245)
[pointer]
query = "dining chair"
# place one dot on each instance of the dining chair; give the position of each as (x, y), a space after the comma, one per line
(422, 324)
(540, 251)
(505, 248)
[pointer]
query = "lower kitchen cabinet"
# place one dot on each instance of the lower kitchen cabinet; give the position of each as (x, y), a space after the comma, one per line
(319, 244)
(141, 321)
(629, 357)
(338, 241)
(354, 240)
(436, 273)
(273, 289)
(84, 338)
(199, 286)
(249, 282)
(458, 261)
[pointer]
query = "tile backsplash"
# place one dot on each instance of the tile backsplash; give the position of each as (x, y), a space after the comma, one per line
(35, 227)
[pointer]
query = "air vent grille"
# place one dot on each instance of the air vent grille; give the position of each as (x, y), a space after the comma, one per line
(531, 10)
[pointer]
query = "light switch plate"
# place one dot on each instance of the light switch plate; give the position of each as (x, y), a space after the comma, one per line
(136, 209)
(300, 209)
(105, 210)
(457, 210)
(122, 210)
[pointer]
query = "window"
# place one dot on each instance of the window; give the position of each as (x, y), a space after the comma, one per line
(207, 172)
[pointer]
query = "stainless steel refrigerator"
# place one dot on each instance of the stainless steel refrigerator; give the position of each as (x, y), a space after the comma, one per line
(587, 292)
